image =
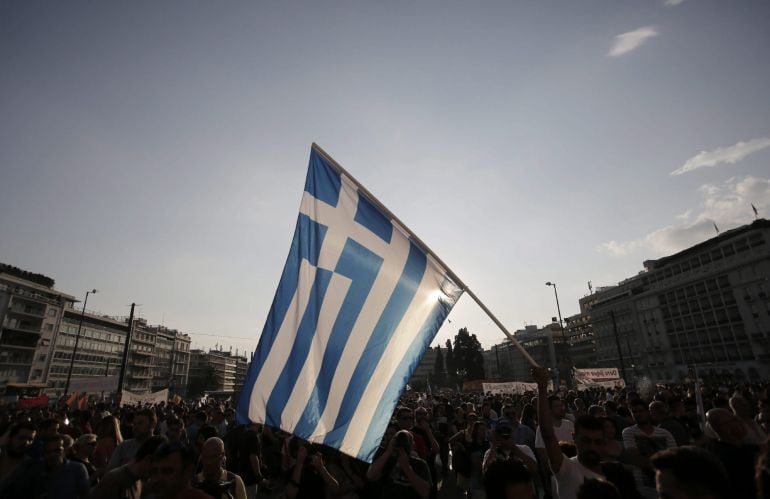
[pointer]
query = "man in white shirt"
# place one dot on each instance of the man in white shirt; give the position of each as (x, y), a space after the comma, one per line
(564, 430)
(589, 440)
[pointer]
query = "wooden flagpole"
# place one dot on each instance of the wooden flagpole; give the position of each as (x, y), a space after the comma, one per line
(426, 249)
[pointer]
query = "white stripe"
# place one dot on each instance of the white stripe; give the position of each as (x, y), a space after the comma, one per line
(382, 289)
(423, 303)
(282, 345)
(306, 380)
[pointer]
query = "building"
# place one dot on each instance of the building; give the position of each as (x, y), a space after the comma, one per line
(31, 311)
(99, 352)
(547, 346)
(171, 359)
(228, 371)
(580, 336)
(706, 307)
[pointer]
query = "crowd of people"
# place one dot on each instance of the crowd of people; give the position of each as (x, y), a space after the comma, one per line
(599, 443)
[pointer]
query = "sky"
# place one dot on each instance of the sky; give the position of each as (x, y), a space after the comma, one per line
(156, 151)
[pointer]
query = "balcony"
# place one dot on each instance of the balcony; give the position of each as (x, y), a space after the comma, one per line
(28, 311)
(27, 327)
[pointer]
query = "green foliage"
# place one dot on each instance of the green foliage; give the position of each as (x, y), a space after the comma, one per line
(26, 275)
(450, 365)
(203, 381)
(467, 356)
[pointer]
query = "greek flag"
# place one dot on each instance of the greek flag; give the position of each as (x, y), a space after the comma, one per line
(358, 304)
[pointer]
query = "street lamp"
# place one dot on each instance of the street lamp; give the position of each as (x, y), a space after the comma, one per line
(77, 340)
(561, 323)
(558, 309)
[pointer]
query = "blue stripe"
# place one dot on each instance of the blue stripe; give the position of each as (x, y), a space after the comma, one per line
(308, 238)
(299, 350)
(371, 218)
(362, 266)
(401, 376)
(323, 182)
(398, 304)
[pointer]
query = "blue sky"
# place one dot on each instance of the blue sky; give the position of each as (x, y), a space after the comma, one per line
(157, 152)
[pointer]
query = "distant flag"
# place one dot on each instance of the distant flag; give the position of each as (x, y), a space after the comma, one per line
(71, 399)
(756, 213)
(359, 302)
(716, 228)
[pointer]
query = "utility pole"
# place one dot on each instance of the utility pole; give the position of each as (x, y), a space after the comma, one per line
(77, 340)
(124, 363)
(617, 343)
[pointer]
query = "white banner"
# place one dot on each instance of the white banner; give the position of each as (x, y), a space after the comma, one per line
(514, 387)
(128, 398)
(95, 384)
(597, 374)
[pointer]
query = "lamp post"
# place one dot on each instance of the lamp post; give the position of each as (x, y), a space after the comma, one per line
(561, 323)
(77, 340)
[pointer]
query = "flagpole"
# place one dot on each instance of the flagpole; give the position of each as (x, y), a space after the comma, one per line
(426, 249)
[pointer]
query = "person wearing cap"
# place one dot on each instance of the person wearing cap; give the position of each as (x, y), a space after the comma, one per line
(503, 446)
(83, 451)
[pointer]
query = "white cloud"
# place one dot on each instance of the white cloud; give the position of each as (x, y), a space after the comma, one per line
(626, 42)
(727, 205)
(729, 155)
(672, 3)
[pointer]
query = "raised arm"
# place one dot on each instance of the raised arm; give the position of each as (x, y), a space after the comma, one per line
(545, 420)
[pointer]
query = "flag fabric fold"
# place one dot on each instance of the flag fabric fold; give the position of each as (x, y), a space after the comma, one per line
(357, 305)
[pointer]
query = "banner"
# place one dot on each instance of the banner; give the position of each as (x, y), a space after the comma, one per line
(32, 402)
(128, 398)
(597, 374)
(95, 384)
(512, 387)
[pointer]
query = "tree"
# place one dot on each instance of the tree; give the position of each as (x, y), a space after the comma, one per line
(439, 369)
(468, 357)
(449, 363)
(202, 381)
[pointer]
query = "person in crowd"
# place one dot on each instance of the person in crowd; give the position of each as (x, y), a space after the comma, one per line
(641, 441)
(728, 444)
(126, 482)
(46, 428)
(83, 451)
(596, 488)
(503, 446)
(199, 420)
(144, 423)
(108, 437)
(308, 477)
(172, 473)
(741, 407)
(52, 477)
(589, 439)
(406, 476)
(219, 422)
(508, 479)
(689, 472)
(563, 429)
(522, 434)
(659, 413)
(214, 479)
(249, 459)
(14, 451)
(175, 429)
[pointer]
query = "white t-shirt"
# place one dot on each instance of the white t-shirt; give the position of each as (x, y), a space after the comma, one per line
(571, 476)
(647, 444)
(563, 432)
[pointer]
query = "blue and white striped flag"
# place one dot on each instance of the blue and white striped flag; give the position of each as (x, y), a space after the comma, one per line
(357, 306)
